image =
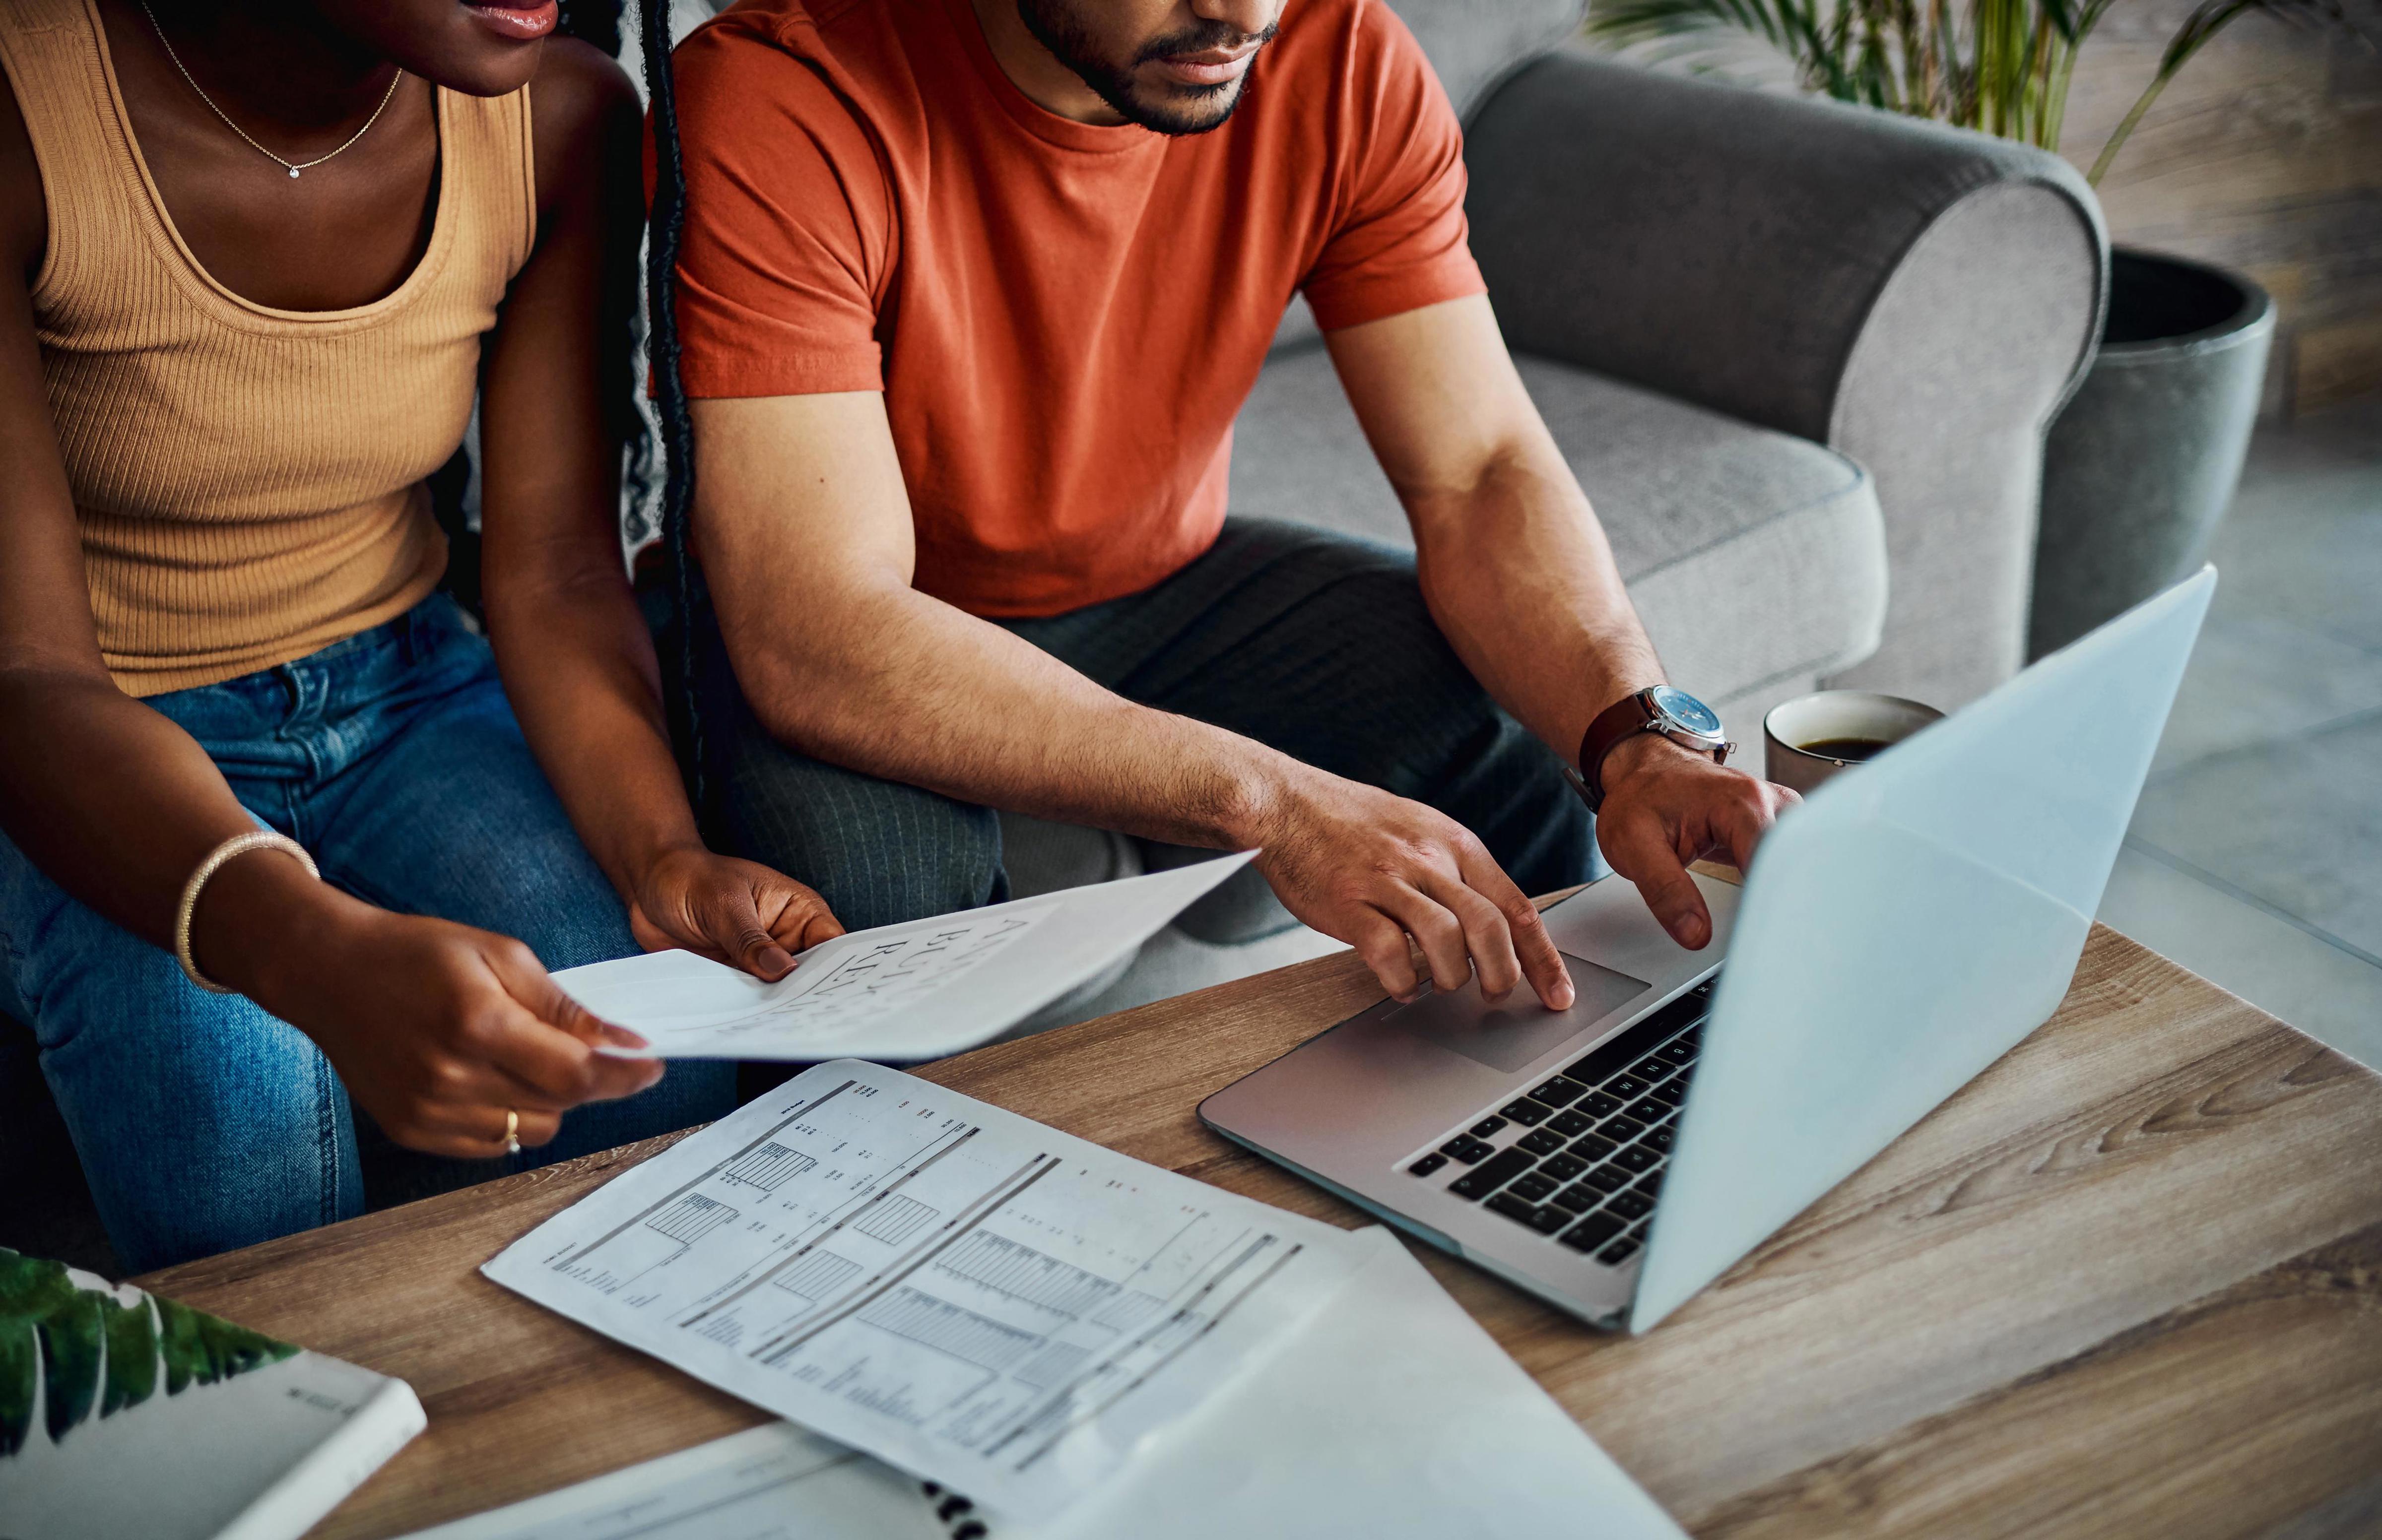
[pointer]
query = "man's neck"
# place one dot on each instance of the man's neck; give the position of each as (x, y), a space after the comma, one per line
(1037, 71)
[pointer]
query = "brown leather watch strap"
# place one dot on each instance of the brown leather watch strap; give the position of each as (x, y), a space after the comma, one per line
(1624, 718)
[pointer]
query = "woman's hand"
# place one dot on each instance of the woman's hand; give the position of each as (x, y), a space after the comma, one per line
(438, 1031)
(735, 911)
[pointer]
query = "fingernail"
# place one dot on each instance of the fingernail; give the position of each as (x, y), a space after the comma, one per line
(1563, 997)
(776, 959)
(624, 1037)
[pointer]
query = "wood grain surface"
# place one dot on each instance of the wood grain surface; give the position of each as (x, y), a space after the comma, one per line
(2129, 1281)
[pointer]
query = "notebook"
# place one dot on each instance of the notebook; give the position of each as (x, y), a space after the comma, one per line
(123, 1416)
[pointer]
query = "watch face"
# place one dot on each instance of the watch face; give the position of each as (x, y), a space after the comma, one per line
(1692, 715)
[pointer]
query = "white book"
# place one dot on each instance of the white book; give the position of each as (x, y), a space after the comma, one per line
(128, 1417)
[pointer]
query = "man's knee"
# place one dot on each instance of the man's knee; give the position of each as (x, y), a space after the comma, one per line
(878, 851)
(1513, 794)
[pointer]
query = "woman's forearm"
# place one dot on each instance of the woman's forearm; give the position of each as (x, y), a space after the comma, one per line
(110, 798)
(579, 667)
(118, 806)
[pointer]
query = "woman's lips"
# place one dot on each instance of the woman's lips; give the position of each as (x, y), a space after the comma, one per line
(520, 22)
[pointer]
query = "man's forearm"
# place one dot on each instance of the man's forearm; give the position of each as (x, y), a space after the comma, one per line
(890, 681)
(1521, 578)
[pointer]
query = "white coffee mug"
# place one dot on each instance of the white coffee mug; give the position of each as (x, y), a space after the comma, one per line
(1797, 734)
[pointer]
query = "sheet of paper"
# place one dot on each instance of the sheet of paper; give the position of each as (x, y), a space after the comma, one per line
(982, 1301)
(1443, 1435)
(1391, 1413)
(913, 991)
(770, 1483)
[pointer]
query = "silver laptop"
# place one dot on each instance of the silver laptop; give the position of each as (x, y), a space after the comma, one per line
(1899, 932)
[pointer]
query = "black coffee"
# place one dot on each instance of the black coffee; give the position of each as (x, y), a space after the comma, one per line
(1852, 751)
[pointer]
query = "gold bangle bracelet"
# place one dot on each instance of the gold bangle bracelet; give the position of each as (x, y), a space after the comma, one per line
(238, 843)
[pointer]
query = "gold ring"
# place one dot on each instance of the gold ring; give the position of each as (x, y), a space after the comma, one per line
(512, 1131)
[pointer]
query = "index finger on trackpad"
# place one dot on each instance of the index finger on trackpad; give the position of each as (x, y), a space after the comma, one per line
(1507, 1036)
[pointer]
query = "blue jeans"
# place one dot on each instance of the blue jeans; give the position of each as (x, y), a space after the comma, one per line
(204, 1123)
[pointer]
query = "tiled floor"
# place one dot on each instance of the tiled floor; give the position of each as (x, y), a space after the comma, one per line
(2256, 855)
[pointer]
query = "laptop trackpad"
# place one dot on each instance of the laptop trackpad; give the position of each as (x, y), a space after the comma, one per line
(1507, 1036)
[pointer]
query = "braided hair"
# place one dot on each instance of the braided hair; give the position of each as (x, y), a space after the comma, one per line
(668, 218)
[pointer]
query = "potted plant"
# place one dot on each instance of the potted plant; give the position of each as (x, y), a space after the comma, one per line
(2143, 461)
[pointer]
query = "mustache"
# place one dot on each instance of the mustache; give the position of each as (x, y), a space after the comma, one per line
(1201, 39)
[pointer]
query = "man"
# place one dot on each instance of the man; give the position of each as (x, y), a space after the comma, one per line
(969, 295)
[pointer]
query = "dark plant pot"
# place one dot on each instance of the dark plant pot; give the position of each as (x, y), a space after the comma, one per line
(2142, 464)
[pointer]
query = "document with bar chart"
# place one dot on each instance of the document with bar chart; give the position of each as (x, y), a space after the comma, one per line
(980, 1299)
(913, 991)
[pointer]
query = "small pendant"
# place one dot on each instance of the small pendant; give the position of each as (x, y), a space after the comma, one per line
(293, 173)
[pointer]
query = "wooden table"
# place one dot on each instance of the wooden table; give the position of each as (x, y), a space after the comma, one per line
(2127, 1282)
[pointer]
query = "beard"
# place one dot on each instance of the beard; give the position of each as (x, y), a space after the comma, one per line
(1173, 109)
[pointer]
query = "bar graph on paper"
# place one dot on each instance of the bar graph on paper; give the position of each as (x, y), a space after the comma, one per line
(872, 1255)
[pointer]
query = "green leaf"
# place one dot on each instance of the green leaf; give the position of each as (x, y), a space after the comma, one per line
(56, 1337)
(131, 1334)
(18, 1377)
(31, 1286)
(201, 1349)
(30, 1289)
(70, 1349)
(177, 1339)
(37, 1297)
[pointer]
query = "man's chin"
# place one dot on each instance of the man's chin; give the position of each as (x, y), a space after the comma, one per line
(1169, 109)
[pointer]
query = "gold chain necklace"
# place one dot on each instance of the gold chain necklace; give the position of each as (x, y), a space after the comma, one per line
(294, 166)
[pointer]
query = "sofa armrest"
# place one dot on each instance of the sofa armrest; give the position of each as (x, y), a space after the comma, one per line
(1920, 297)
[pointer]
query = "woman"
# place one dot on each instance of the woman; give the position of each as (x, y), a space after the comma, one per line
(266, 249)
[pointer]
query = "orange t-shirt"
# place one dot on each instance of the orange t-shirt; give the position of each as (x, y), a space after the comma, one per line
(1064, 318)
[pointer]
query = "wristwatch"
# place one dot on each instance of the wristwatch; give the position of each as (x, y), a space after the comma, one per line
(1661, 708)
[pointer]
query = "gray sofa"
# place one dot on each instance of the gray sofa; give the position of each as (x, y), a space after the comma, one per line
(1801, 357)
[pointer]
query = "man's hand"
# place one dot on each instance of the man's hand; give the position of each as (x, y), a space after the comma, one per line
(438, 1029)
(1665, 806)
(735, 911)
(1370, 869)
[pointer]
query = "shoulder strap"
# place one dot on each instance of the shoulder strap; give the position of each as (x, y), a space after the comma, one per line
(53, 52)
(494, 149)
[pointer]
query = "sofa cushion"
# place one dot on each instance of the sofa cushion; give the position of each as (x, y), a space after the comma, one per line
(1750, 553)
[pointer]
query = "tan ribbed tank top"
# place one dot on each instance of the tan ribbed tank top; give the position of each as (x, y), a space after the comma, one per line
(248, 480)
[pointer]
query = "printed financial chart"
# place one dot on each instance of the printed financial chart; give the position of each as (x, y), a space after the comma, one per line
(844, 985)
(959, 1290)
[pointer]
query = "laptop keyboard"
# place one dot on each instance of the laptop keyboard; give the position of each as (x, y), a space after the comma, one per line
(1579, 1158)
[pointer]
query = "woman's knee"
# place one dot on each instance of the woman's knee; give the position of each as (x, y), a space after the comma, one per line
(202, 1122)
